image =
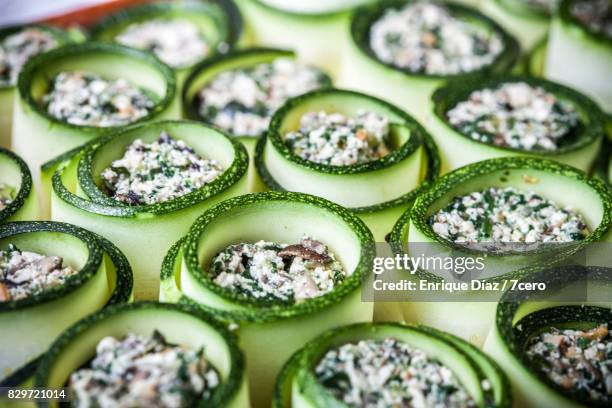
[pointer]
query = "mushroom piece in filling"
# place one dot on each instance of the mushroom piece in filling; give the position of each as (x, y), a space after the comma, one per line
(389, 373)
(87, 99)
(595, 15)
(425, 37)
(507, 215)
(7, 195)
(150, 173)
(143, 371)
(178, 43)
(242, 101)
(515, 115)
(24, 274)
(577, 360)
(271, 271)
(16, 49)
(339, 140)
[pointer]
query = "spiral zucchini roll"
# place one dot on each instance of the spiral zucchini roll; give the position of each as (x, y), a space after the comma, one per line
(146, 354)
(511, 116)
(512, 212)
(142, 187)
(279, 267)
(51, 275)
(17, 197)
(403, 50)
(354, 149)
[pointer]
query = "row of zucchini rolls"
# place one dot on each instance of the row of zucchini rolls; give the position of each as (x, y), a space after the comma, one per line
(192, 197)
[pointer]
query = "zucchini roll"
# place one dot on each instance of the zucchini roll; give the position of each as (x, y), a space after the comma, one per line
(146, 354)
(354, 149)
(279, 267)
(51, 275)
(17, 45)
(603, 166)
(305, 27)
(511, 116)
(402, 50)
(511, 212)
(75, 93)
(240, 92)
(580, 48)
(179, 34)
(556, 346)
(144, 186)
(390, 364)
(17, 197)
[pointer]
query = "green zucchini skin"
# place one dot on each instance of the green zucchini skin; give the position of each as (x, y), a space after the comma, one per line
(297, 387)
(519, 316)
(271, 332)
(379, 216)
(77, 198)
(7, 93)
(15, 172)
(409, 90)
(602, 169)
(581, 153)
(33, 127)
(198, 326)
(105, 278)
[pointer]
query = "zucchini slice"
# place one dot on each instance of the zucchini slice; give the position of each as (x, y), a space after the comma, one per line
(270, 331)
(298, 385)
(578, 56)
(7, 91)
(39, 137)
(603, 167)
(305, 27)
(535, 62)
(469, 315)
(207, 71)
(372, 189)
(179, 324)
(363, 71)
(31, 323)
(576, 298)
(17, 196)
(143, 232)
(578, 147)
(218, 23)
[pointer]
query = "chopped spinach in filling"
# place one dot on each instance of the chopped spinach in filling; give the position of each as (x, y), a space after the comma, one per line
(507, 215)
(16, 49)
(515, 115)
(387, 374)
(425, 37)
(242, 101)
(87, 99)
(178, 43)
(278, 272)
(150, 173)
(577, 360)
(595, 15)
(24, 274)
(7, 195)
(143, 371)
(338, 140)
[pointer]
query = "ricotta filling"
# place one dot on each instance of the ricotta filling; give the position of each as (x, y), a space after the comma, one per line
(506, 215)
(16, 49)
(242, 101)
(87, 99)
(7, 195)
(576, 360)
(144, 371)
(389, 373)
(24, 274)
(278, 272)
(595, 15)
(515, 115)
(150, 173)
(178, 43)
(339, 140)
(425, 37)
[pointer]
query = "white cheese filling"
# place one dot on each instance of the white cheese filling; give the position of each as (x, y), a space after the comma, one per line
(16, 49)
